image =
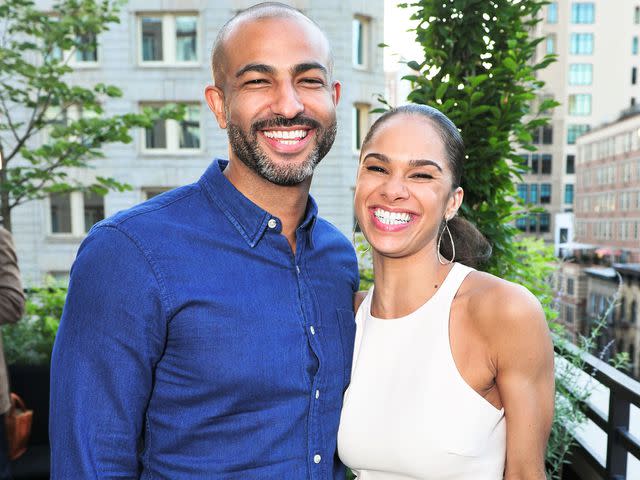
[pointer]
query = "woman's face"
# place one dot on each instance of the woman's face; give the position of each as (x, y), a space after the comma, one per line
(404, 187)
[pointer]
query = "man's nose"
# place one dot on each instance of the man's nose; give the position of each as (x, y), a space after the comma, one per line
(287, 102)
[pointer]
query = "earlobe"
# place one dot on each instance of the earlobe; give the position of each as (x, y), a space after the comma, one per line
(215, 99)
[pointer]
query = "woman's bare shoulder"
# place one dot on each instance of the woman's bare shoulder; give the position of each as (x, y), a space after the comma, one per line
(358, 298)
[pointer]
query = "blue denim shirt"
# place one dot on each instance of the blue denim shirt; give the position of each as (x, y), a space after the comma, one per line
(195, 345)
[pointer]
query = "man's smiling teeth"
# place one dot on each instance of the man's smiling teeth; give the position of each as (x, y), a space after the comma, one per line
(391, 218)
(286, 137)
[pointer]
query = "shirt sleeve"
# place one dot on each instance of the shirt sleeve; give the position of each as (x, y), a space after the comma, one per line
(11, 293)
(112, 334)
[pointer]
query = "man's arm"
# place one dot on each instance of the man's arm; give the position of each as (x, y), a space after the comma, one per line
(111, 335)
(525, 380)
(11, 293)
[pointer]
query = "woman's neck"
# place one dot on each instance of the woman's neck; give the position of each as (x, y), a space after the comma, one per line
(402, 285)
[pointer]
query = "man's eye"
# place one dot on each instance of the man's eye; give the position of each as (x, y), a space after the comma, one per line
(256, 81)
(313, 81)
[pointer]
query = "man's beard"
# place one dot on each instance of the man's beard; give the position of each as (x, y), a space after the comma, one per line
(245, 146)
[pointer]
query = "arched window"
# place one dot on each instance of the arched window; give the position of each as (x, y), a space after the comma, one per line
(634, 312)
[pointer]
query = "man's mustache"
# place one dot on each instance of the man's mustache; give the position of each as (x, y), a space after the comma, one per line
(285, 122)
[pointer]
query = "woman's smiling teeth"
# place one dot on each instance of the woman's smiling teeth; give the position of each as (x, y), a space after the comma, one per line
(286, 137)
(391, 218)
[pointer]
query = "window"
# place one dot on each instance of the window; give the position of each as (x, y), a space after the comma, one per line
(580, 104)
(75, 213)
(552, 12)
(542, 135)
(580, 74)
(634, 312)
(574, 131)
(168, 39)
(535, 160)
(568, 193)
(360, 41)
(571, 164)
(173, 135)
(533, 223)
(360, 123)
(151, 192)
(582, 12)
(634, 73)
(533, 193)
(568, 314)
(523, 190)
(551, 43)
(60, 209)
(544, 223)
(545, 193)
(89, 52)
(581, 44)
(546, 163)
(636, 16)
(564, 235)
(634, 46)
(521, 224)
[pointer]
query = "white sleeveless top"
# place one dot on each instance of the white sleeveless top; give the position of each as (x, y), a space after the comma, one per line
(408, 413)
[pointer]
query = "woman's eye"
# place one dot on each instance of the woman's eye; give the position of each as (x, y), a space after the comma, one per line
(373, 168)
(423, 176)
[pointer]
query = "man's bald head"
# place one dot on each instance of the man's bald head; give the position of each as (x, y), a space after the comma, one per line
(260, 11)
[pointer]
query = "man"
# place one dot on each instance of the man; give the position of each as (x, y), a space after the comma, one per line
(208, 332)
(11, 310)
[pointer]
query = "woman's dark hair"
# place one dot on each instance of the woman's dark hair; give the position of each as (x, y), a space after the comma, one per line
(472, 248)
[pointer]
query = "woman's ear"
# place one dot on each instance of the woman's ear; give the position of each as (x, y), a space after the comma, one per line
(455, 200)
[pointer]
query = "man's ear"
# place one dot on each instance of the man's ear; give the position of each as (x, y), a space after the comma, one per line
(215, 99)
(336, 87)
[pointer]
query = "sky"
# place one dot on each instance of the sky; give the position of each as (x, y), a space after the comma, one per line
(400, 41)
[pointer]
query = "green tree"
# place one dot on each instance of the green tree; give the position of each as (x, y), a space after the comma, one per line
(479, 70)
(38, 99)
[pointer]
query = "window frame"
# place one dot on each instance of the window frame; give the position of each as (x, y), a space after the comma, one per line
(172, 132)
(79, 228)
(169, 39)
(365, 37)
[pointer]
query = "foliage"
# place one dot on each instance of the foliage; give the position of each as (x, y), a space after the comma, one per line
(30, 341)
(479, 70)
(40, 141)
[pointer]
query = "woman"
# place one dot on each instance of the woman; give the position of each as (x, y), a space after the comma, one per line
(453, 368)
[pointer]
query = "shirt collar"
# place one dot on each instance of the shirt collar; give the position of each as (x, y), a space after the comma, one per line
(250, 220)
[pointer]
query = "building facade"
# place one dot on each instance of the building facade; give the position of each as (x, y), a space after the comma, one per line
(159, 54)
(594, 78)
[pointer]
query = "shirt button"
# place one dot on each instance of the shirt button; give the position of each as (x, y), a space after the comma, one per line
(317, 458)
(317, 394)
(272, 223)
(313, 330)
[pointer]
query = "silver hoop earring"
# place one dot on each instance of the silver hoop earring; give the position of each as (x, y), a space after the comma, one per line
(441, 259)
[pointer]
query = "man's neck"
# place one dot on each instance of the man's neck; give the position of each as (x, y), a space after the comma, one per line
(288, 203)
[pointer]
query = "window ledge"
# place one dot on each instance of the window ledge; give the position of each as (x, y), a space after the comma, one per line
(179, 65)
(64, 238)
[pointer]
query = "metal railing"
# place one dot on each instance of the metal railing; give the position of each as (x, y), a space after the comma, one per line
(624, 391)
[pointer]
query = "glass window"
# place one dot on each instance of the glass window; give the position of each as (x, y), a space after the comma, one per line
(545, 193)
(186, 38)
(535, 160)
(89, 51)
(634, 46)
(580, 104)
(582, 12)
(571, 164)
(521, 223)
(190, 128)
(360, 44)
(533, 223)
(581, 44)
(568, 193)
(544, 223)
(634, 74)
(636, 16)
(574, 131)
(580, 74)
(152, 39)
(60, 205)
(570, 286)
(156, 135)
(93, 209)
(568, 314)
(533, 193)
(552, 12)
(546, 163)
(547, 135)
(360, 123)
(564, 235)
(551, 43)
(522, 191)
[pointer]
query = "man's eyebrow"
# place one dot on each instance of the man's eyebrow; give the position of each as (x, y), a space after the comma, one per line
(412, 163)
(255, 67)
(305, 67)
